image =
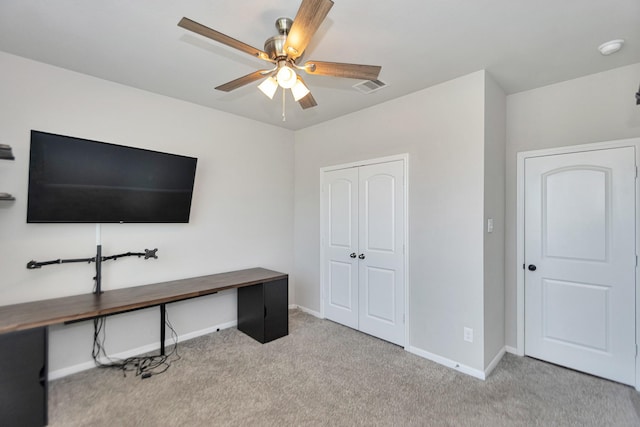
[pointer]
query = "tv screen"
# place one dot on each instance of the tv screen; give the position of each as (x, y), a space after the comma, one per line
(75, 180)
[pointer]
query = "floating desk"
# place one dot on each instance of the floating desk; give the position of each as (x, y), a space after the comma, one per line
(262, 314)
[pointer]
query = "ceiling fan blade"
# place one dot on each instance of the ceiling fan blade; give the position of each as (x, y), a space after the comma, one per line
(305, 24)
(308, 101)
(203, 30)
(244, 80)
(337, 69)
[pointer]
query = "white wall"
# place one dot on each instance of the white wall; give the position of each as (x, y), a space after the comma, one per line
(244, 207)
(242, 212)
(442, 129)
(494, 184)
(596, 108)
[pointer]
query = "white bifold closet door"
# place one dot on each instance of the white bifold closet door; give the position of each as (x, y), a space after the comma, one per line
(363, 245)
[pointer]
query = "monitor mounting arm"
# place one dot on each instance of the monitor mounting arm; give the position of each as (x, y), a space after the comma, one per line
(148, 253)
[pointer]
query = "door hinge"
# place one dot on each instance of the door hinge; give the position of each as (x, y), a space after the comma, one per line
(636, 350)
(636, 260)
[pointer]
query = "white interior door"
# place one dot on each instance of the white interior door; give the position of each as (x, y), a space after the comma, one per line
(340, 246)
(381, 251)
(363, 248)
(580, 261)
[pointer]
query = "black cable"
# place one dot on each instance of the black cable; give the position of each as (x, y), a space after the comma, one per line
(144, 366)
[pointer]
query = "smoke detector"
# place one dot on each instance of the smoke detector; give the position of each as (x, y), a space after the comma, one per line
(611, 47)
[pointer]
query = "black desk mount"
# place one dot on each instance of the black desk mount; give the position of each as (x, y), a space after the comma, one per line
(148, 253)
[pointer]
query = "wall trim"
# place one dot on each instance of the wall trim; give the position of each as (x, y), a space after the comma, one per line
(512, 350)
(69, 370)
(520, 261)
(447, 362)
(435, 358)
(367, 162)
(492, 365)
(306, 310)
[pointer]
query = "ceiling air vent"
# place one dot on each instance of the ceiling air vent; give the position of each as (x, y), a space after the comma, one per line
(369, 86)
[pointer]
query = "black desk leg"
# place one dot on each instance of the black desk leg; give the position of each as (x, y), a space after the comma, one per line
(163, 311)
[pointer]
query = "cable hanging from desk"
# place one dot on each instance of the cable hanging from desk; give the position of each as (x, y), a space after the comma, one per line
(98, 259)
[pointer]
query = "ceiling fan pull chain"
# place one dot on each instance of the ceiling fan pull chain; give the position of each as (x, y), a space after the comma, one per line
(284, 116)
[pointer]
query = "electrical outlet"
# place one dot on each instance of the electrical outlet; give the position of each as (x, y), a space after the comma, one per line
(468, 334)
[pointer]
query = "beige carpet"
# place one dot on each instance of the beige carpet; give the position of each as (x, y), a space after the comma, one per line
(326, 374)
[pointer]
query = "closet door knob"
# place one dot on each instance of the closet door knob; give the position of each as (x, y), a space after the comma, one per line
(361, 256)
(353, 255)
(532, 267)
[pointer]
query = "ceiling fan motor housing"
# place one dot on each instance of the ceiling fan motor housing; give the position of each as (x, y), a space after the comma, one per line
(274, 46)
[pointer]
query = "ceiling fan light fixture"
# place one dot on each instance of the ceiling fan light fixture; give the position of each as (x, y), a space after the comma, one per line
(286, 77)
(299, 90)
(283, 50)
(269, 87)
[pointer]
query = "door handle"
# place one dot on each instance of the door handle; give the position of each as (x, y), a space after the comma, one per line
(361, 256)
(353, 255)
(532, 267)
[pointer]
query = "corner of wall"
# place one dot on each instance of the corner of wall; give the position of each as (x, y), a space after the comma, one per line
(494, 220)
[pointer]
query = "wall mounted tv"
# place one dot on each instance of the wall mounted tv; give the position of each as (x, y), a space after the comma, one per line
(73, 180)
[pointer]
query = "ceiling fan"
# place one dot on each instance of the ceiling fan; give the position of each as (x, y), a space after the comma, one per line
(284, 50)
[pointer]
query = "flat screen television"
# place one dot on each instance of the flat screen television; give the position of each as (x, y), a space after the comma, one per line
(74, 180)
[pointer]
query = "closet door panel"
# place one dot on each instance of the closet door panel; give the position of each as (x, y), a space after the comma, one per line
(340, 246)
(381, 257)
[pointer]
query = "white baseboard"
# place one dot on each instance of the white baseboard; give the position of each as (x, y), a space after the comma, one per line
(69, 370)
(494, 362)
(513, 350)
(476, 373)
(448, 363)
(204, 331)
(63, 372)
(306, 310)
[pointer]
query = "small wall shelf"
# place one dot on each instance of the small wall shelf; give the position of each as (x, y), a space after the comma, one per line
(6, 154)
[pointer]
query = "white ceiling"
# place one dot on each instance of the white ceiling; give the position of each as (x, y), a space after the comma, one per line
(418, 43)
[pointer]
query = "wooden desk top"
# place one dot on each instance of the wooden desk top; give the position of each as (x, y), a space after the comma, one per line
(34, 314)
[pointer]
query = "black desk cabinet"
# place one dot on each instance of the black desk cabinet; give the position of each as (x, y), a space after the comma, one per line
(263, 310)
(23, 378)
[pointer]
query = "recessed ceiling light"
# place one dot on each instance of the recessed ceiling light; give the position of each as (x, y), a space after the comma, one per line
(611, 47)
